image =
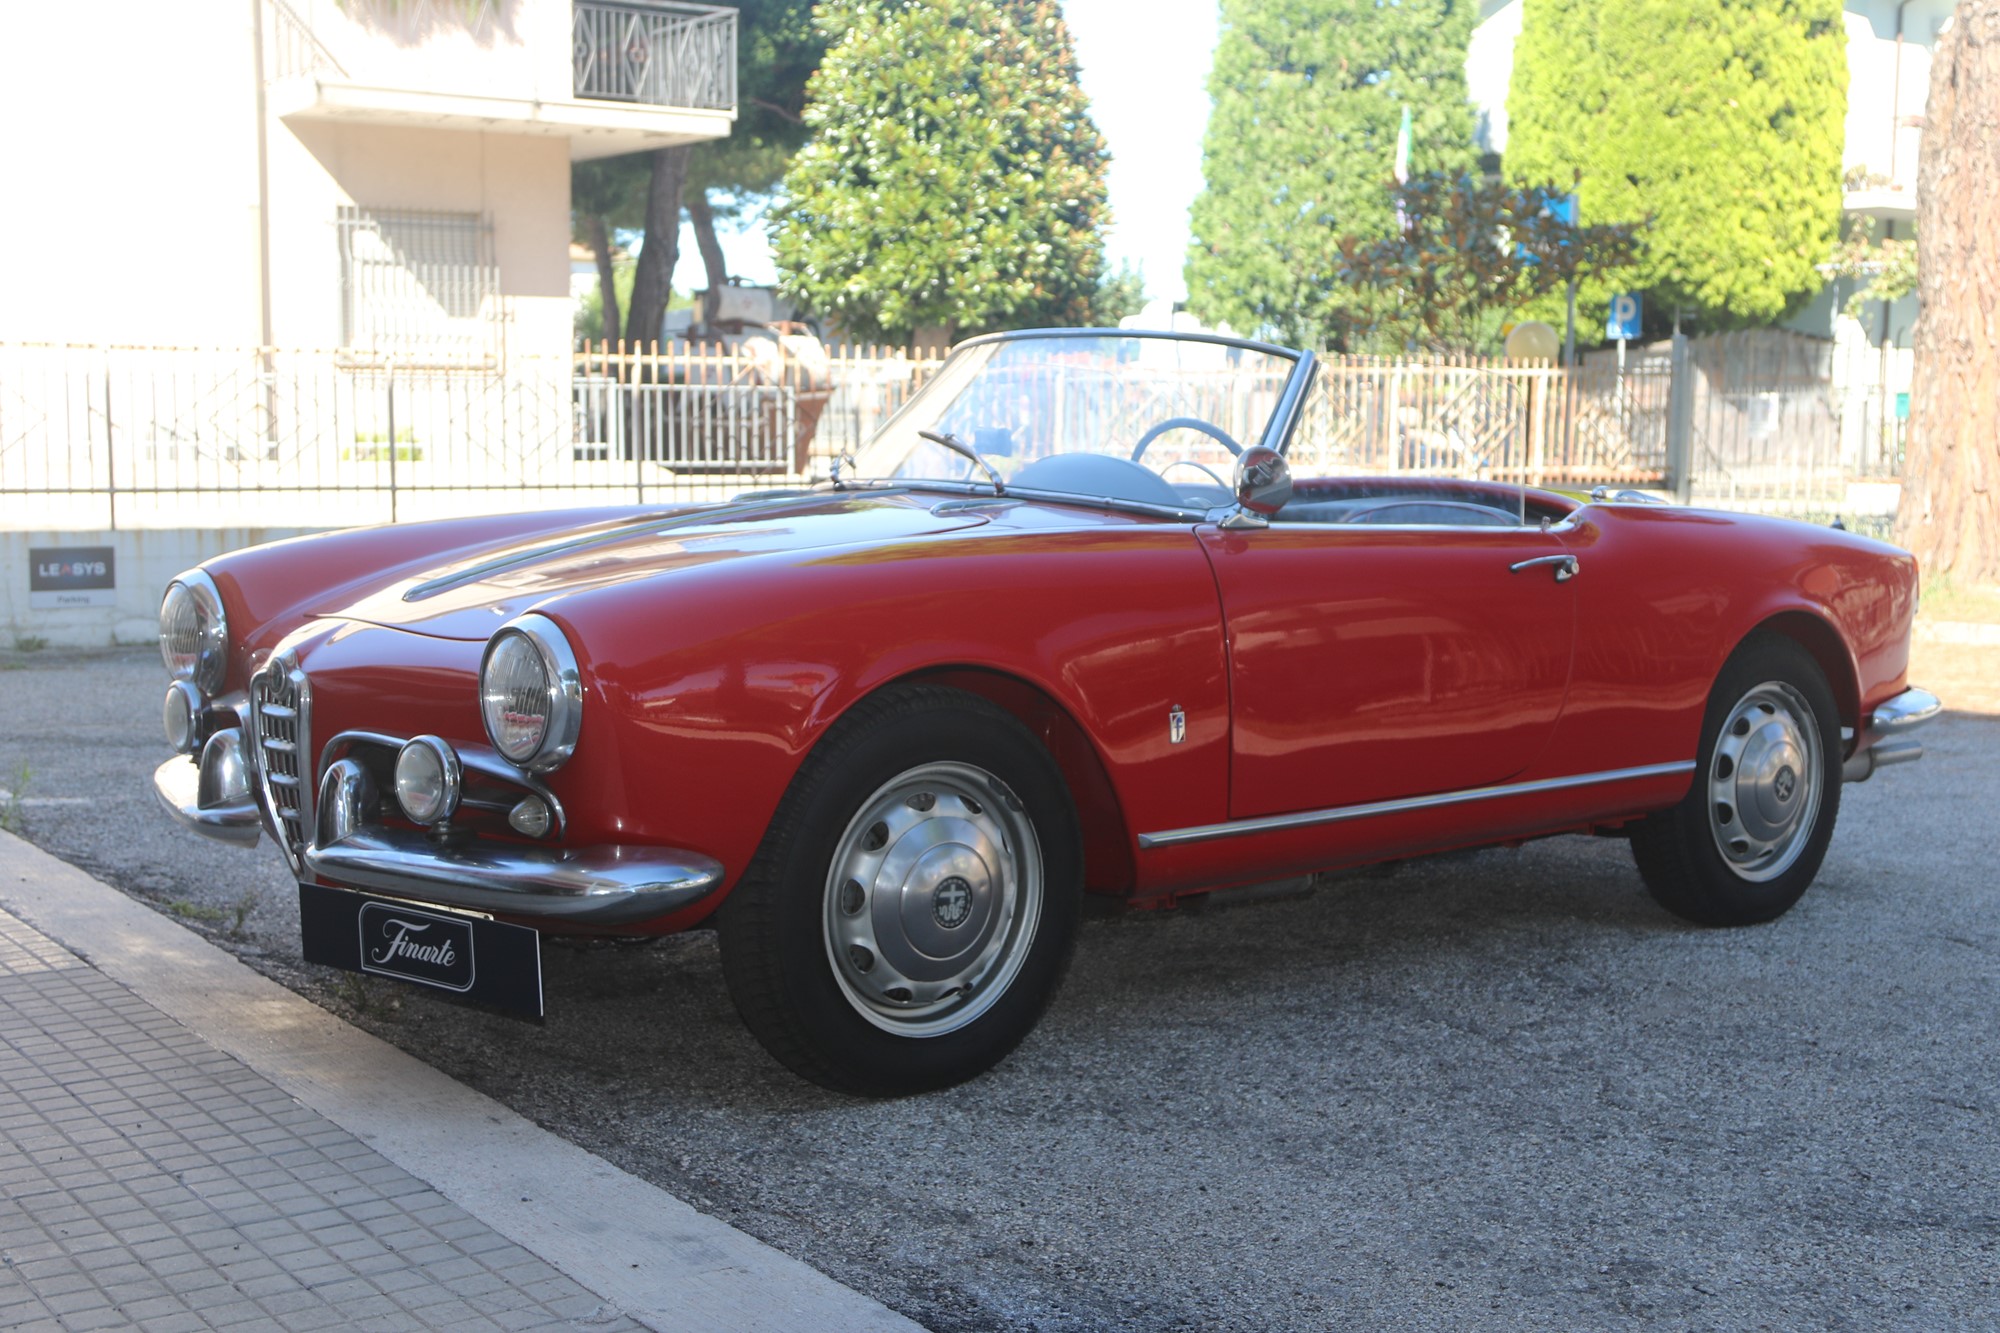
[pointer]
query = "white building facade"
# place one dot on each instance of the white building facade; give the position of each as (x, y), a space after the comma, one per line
(384, 178)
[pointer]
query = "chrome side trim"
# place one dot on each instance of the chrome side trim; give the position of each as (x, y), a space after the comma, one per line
(1343, 813)
(606, 885)
(1907, 711)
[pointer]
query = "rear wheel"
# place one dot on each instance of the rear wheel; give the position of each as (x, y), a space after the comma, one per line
(914, 903)
(1749, 837)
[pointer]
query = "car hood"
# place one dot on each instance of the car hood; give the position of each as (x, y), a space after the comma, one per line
(468, 598)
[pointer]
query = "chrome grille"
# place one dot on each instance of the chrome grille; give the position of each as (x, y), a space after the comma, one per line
(281, 709)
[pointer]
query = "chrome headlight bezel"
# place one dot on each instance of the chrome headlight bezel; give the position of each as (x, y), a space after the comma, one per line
(560, 694)
(448, 775)
(203, 662)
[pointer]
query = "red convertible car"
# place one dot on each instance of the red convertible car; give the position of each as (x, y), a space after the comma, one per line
(1067, 626)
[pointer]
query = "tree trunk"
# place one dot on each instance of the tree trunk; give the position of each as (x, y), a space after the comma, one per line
(607, 282)
(703, 219)
(1950, 511)
(653, 282)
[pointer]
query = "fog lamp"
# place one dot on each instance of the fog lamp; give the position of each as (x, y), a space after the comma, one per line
(180, 716)
(428, 780)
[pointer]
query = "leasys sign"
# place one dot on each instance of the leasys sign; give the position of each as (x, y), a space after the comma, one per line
(61, 576)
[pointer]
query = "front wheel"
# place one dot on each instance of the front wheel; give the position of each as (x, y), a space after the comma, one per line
(915, 901)
(1749, 837)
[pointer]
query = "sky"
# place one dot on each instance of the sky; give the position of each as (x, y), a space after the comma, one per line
(1145, 68)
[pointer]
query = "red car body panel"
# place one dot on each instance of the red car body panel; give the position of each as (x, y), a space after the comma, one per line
(718, 646)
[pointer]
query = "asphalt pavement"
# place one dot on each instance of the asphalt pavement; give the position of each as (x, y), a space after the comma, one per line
(1498, 1089)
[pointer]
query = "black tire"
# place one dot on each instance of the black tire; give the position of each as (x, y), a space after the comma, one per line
(937, 967)
(1749, 837)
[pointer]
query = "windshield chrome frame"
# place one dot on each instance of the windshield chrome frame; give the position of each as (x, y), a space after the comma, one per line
(1277, 432)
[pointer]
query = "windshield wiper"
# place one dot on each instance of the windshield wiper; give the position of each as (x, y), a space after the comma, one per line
(958, 446)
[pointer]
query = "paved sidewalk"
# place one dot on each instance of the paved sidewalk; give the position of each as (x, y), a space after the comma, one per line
(148, 1179)
(186, 1144)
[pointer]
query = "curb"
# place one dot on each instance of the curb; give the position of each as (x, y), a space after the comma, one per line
(631, 1243)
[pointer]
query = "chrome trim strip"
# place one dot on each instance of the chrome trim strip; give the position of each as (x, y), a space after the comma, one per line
(1343, 813)
(1907, 711)
(606, 885)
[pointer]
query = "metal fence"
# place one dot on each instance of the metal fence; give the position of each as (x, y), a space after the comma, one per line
(1484, 418)
(94, 436)
(144, 436)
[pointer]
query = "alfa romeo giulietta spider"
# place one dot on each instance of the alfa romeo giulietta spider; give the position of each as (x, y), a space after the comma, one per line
(1068, 626)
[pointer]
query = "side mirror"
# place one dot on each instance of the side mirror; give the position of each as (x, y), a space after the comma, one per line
(1263, 484)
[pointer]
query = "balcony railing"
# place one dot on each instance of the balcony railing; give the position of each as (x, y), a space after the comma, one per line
(656, 53)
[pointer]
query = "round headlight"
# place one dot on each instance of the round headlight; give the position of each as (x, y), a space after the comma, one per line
(194, 632)
(428, 780)
(531, 694)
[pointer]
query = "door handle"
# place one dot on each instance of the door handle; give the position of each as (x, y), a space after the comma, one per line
(1567, 567)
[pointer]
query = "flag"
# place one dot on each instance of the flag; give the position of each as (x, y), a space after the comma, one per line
(1403, 150)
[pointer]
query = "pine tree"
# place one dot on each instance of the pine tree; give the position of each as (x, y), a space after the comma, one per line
(954, 177)
(1309, 97)
(1721, 121)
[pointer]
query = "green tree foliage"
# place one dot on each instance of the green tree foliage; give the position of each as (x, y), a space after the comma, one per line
(1469, 252)
(1721, 120)
(1872, 270)
(954, 176)
(1309, 97)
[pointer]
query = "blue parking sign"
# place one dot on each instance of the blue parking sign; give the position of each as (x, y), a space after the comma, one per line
(1623, 322)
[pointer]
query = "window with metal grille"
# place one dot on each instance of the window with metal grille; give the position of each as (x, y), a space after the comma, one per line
(418, 283)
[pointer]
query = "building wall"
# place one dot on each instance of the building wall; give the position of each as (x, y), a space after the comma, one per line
(1879, 102)
(129, 164)
(131, 168)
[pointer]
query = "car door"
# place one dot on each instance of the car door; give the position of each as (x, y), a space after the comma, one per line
(1372, 663)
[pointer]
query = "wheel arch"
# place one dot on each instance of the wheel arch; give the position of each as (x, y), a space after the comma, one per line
(1107, 838)
(1823, 642)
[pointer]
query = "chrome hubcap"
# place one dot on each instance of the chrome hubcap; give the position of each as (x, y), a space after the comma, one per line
(932, 899)
(1764, 782)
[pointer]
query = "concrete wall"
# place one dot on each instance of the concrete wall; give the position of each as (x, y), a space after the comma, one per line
(144, 561)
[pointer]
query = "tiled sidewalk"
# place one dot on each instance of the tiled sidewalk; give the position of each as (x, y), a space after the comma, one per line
(148, 1179)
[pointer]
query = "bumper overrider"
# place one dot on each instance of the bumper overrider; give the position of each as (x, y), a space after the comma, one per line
(605, 884)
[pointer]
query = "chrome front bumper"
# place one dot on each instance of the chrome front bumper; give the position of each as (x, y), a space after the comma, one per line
(601, 885)
(1892, 725)
(607, 884)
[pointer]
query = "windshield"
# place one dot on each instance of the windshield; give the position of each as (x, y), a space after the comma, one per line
(1148, 418)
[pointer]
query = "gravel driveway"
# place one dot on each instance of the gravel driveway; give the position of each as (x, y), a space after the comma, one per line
(1496, 1090)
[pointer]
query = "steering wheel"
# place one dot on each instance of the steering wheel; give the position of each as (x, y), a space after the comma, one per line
(1202, 468)
(1215, 432)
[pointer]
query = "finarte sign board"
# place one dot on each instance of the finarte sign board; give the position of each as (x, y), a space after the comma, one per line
(61, 576)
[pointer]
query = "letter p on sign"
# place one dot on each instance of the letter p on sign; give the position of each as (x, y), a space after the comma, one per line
(1623, 323)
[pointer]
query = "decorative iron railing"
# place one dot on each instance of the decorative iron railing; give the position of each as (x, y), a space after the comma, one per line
(291, 49)
(656, 52)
